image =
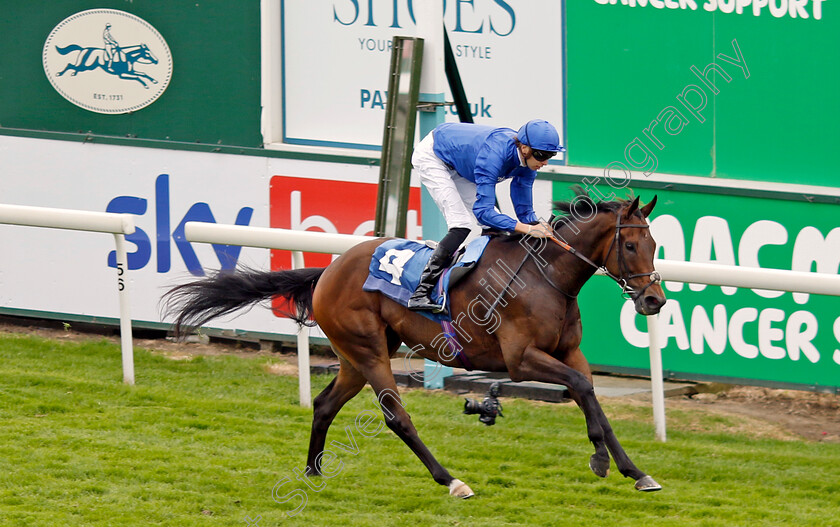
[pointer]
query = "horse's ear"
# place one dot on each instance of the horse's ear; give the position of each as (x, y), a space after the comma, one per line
(632, 208)
(647, 209)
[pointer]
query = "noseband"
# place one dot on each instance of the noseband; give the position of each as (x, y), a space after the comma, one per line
(622, 277)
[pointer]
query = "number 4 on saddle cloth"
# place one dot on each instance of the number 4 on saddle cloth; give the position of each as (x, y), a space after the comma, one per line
(396, 266)
(395, 270)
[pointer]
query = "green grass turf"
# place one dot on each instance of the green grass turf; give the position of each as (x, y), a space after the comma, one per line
(205, 441)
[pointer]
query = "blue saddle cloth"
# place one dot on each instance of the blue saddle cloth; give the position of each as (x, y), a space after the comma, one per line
(396, 266)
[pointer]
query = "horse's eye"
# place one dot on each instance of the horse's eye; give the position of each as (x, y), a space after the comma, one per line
(630, 246)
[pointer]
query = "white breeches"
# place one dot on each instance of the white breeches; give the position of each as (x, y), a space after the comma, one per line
(453, 194)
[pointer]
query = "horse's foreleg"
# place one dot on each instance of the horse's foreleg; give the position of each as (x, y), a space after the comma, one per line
(576, 360)
(145, 76)
(539, 366)
(326, 406)
(600, 460)
(133, 78)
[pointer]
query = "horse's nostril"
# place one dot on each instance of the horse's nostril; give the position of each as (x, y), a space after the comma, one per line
(654, 302)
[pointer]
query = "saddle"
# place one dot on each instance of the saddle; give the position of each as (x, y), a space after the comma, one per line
(396, 266)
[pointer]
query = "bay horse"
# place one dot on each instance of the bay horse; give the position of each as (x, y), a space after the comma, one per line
(532, 329)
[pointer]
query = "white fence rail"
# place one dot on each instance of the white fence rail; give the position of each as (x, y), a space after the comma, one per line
(298, 242)
(725, 275)
(669, 270)
(285, 240)
(749, 277)
(78, 220)
(281, 239)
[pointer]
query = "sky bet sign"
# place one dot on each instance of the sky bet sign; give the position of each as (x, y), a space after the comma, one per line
(295, 203)
(487, 36)
(168, 231)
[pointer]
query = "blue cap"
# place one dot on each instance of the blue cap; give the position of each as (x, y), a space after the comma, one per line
(539, 134)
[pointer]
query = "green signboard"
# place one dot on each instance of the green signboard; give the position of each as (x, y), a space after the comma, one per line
(213, 96)
(716, 88)
(724, 332)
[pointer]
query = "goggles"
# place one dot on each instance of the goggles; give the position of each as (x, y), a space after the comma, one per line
(542, 155)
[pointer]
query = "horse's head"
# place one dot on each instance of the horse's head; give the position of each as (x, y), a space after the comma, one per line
(630, 257)
(616, 237)
(146, 56)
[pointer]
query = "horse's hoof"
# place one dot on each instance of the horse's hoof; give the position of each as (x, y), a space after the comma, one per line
(601, 467)
(459, 489)
(647, 484)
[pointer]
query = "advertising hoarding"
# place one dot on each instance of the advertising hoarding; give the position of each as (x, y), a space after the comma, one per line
(709, 331)
(55, 272)
(776, 117)
(776, 123)
(509, 54)
(726, 332)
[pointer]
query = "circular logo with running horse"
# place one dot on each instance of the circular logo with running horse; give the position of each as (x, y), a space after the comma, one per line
(107, 61)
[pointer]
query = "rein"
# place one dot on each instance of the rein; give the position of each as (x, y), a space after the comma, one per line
(621, 280)
(504, 290)
(516, 272)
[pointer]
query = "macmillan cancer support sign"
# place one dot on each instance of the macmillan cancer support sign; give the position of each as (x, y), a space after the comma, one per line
(724, 332)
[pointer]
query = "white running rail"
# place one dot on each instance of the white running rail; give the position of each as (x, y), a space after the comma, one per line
(669, 270)
(726, 275)
(286, 240)
(80, 220)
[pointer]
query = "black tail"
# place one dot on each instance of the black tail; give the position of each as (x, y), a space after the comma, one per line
(197, 302)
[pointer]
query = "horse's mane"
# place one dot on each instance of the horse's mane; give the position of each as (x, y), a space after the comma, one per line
(581, 206)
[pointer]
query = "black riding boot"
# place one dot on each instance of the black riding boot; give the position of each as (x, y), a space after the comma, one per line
(420, 300)
(438, 263)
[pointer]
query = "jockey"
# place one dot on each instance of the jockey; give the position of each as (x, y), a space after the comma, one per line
(460, 164)
(111, 45)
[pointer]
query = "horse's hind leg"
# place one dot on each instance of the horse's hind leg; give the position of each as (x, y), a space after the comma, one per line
(382, 380)
(360, 335)
(326, 406)
(65, 70)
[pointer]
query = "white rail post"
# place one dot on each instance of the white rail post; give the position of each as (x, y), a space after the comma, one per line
(81, 220)
(304, 384)
(429, 15)
(657, 387)
(126, 342)
(283, 240)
